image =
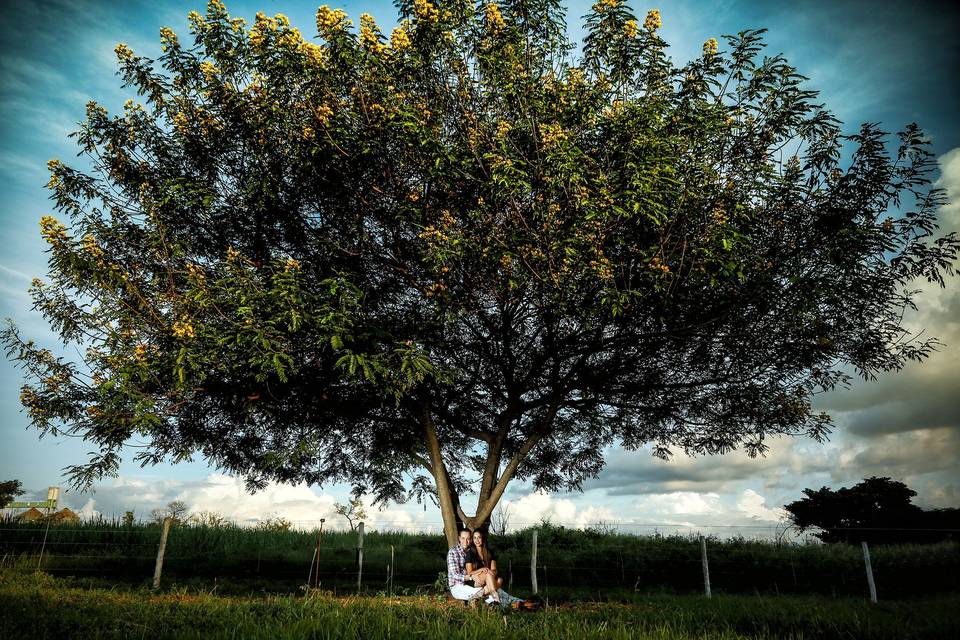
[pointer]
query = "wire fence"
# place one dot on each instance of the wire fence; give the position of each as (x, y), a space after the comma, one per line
(605, 561)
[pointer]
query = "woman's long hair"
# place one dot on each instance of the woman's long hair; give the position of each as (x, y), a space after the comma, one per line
(484, 550)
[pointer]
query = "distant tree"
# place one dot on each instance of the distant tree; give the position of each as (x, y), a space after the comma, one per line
(432, 263)
(175, 509)
(274, 523)
(878, 509)
(208, 519)
(9, 490)
(500, 521)
(352, 511)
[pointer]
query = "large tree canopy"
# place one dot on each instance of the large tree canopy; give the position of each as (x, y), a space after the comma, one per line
(434, 262)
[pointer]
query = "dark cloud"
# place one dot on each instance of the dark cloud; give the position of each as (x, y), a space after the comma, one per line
(639, 473)
(910, 454)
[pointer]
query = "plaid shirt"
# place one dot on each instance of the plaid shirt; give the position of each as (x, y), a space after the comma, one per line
(456, 564)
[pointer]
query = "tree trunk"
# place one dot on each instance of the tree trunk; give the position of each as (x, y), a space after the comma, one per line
(449, 501)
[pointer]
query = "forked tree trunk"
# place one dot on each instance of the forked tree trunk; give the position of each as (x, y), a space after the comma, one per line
(493, 485)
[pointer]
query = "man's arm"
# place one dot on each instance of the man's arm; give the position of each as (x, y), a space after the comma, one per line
(454, 572)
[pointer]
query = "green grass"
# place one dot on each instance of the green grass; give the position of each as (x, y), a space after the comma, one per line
(36, 605)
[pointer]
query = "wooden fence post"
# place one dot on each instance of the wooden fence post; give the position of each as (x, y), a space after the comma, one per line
(533, 564)
(359, 556)
(870, 583)
(706, 567)
(391, 570)
(158, 569)
(316, 579)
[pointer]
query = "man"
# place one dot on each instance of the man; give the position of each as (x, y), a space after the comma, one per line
(456, 570)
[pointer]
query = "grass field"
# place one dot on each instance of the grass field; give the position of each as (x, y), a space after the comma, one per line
(37, 605)
(574, 564)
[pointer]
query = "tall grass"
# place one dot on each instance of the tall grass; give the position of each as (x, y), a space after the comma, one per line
(572, 562)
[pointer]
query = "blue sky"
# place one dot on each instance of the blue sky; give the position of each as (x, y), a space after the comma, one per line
(887, 62)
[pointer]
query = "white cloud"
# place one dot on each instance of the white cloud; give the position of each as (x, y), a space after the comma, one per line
(535, 507)
(754, 506)
(226, 495)
(683, 503)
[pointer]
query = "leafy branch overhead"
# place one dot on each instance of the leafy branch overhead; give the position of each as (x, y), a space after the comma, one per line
(437, 260)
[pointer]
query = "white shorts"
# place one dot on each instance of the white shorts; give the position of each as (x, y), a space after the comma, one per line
(464, 591)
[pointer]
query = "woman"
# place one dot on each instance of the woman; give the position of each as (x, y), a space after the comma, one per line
(482, 564)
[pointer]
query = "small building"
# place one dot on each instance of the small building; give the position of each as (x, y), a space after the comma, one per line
(30, 515)
(65, 516)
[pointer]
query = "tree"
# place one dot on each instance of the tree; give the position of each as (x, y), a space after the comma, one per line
(9, 490)
(434, 263)
(175, 509)
(210, 519)
(877, 510)
(500, 520)
(353, 510)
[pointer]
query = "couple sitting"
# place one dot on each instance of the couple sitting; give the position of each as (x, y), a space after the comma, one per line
(472, 572)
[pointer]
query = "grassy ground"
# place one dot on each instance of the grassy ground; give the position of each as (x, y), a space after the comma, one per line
(36, 605)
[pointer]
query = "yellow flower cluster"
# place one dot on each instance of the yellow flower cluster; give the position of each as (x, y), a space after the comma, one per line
(261, 25)
(183, 328)
(710, 47)
(140, 352)
(656, 265)
(316, 54)
(399, 39)
(54, 166)
(653, 21)
(329, 19)
(52, 230)
(425, 11)
(630, 28)
(89, 244)
(601, 6)
(291, 265)
(167, 38)
(181, 123)
(323, 113)
(232, 254)
(552, 134)
(719, 215)
(209, 70)
(370, 34)
(195, 272)
(494, 19)
(602, 268)
(503, 128)
(309, 133)
(291, 38)
(123, 52)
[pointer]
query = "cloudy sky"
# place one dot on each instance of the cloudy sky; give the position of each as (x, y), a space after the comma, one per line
(887, 62)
